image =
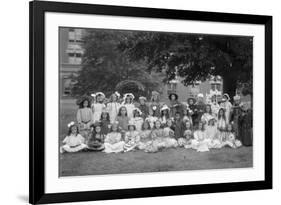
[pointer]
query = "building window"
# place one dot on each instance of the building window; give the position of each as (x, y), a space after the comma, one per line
(75, 58)
(75, 35)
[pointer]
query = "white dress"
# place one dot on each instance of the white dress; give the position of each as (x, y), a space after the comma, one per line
(132, 139)
(113, 108)
(151, 120)
(113, 143)
(206, 117)
(227, 107)
(200, 141)
(84, 118)
(130, 108)
(73, 143)
(97, 110)
(137, 121)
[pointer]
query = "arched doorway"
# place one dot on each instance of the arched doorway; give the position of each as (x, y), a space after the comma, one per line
(131, 86)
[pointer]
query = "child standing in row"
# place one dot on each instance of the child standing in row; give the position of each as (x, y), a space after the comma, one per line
(98, 106)
(129, 105)
(113, 106)
(137, 120)
(123, 119)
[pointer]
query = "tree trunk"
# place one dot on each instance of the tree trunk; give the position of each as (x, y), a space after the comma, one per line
(229, 84)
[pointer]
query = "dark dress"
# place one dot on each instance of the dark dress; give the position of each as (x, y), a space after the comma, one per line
(105, 127)
(176, 106)
(246, 125)
(179, 129)
(155, 106)
(145, 110)
(95, 143)
(199, 110)
(235, 116)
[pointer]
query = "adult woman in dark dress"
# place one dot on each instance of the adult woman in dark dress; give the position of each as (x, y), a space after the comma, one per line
(246, 126)
(175, 105)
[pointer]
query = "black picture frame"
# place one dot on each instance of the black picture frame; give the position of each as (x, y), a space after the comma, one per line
(37, 11)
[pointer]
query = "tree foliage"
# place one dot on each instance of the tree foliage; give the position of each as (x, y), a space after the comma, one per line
(194, 57)
(104, 65)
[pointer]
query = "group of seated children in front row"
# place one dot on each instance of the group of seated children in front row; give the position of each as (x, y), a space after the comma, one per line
(151, 134)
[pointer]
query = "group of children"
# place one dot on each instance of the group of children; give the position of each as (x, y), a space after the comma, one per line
(122, 125)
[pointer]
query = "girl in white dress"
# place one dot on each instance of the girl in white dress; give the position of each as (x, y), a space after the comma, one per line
(199, 142)
(169, 135)
(73, 142)
(212, 134)
(151, 118)
(221, 124)
(98, 106)
(113, 142)
(229, 138)
(113, 106)
(145, 136)
(132, 138)
(187, 115)
(227, 107)
(128, 103)
(164, 112)
(137, 120)
(207, 115)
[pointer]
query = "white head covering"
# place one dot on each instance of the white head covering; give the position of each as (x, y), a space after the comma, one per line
(200, 95)
(236, 97)
(142, 97)
(129, 95)
(137, 109)
(164, 107)
(100, 93)
(226, 95)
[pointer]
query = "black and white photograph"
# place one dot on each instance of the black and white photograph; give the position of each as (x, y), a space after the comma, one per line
(148, 101)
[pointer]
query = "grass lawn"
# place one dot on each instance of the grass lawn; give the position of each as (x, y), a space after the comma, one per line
(94, 163)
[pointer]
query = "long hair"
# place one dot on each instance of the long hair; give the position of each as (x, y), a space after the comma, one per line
(167, 115)
(119, 111)
(70, 129)
(210, 112)
(107, 116)
(145, 122)
(81, 105)
(223, 116)
(135, 112)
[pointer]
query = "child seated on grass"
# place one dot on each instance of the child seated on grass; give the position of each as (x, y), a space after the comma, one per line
(169, 135)
(145, 136)
(73, 142)
(185, 141)
(132, 138)
(96, 140)
(199, 142)
(212, 134)
(113, 142)
(229, 139)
